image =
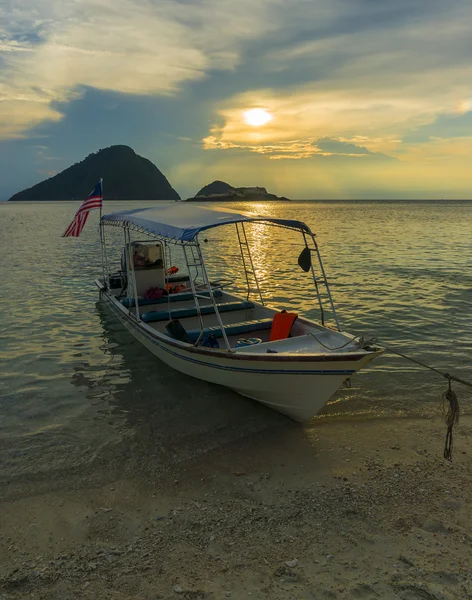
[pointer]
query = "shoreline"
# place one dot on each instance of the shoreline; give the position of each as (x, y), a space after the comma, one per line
(342, 508)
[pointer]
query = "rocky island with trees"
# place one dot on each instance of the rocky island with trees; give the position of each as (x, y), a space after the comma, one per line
(220, 191)
(128, 176)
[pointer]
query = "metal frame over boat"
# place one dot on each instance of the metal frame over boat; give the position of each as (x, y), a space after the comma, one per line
(294, 372)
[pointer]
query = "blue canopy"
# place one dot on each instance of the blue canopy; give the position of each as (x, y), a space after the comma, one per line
(183, 221)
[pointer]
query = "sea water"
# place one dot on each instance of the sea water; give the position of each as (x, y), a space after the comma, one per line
(76, 388)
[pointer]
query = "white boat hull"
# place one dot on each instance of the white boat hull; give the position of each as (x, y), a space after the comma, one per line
(297, 386)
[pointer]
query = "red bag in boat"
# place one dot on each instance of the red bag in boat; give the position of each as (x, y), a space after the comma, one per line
(154, 293)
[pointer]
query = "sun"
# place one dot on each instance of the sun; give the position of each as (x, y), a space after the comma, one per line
(256, 117)
(465, 106)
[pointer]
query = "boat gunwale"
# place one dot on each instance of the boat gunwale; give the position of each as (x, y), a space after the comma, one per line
(251, 357)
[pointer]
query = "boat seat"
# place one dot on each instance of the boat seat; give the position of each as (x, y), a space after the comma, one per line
(231, 329)
(181, 313)
(182, 297)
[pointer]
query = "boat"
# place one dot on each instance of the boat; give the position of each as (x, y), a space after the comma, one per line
(197, 325)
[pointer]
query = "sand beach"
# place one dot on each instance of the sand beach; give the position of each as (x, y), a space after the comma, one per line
(349, 508)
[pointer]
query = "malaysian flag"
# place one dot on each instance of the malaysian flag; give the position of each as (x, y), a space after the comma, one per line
(93, 201)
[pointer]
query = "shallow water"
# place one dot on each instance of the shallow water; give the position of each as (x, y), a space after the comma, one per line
(74, 385)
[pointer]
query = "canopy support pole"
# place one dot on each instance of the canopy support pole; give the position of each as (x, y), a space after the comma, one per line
(105, 267)
(210, 291)
(248, 268)
(326, 282)
(313, 274)
(194, 292)
(100, 225)
(126, 267)
(130, 262)
(167, 265)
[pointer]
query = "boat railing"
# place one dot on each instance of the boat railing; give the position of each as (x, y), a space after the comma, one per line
(130, 270)
(320, 280)
(195, 265)
(248, 265)
(196, 268)
(103, 248)
(212, 296)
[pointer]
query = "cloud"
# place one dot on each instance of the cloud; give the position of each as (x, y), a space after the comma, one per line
(52, 50)
(444, 126)
(20, 113)
(398, 69)
(376, 119)
(13, 46)
(343, 147)
(354, 71)
(296, 149)
(376, 39)
(377, 113)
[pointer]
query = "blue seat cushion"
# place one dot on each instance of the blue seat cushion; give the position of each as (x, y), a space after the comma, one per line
(182, 297)
(231, 329)
(181, 313)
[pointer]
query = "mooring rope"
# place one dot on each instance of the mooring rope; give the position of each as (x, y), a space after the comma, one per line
(451, 411)
(450, 414)
(451, 418)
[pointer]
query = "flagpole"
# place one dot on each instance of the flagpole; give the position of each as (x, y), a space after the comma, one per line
(101, 181)
(105, 270)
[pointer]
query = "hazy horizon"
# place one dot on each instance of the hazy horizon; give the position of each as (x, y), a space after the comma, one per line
(294, 200)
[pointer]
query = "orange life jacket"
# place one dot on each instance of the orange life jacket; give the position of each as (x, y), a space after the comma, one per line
(282, 325)
(174, 289)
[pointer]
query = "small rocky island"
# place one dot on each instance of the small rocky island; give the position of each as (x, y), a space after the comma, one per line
(126, 176)
(220, 191)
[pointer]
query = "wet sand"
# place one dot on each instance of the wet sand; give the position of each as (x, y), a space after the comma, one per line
(342, 509)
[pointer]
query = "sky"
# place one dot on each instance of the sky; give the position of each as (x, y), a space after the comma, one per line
(309, 98)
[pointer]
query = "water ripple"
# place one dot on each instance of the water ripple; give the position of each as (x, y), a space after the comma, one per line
(73, 382)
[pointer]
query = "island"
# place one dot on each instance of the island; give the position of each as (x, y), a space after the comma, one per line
(126, 176)
(220, 191)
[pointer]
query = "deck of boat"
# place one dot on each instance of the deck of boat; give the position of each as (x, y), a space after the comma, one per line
(307, 337)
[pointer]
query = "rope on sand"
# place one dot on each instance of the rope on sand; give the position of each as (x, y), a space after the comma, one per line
(450, 404)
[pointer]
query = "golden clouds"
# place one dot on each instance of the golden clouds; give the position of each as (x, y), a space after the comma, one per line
(20, 113)
(374, 121)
